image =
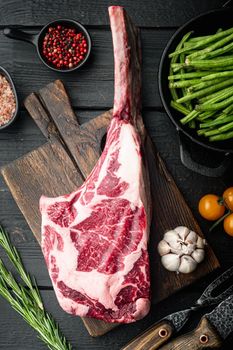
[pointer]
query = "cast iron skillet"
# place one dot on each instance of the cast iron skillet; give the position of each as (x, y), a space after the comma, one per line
(204, 24)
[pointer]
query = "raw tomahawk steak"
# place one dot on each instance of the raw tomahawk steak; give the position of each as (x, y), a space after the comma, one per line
(95, 239)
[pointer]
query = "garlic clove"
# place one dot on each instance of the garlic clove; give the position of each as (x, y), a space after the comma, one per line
(198, 255)
(163, 248)
(187, 264)
(201, 242)
(182, 231)
(191, 248)
(187, 249)
(191, 238)
(171, 262)
(172, 238)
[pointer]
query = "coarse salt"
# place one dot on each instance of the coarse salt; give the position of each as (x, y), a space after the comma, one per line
(7, 101)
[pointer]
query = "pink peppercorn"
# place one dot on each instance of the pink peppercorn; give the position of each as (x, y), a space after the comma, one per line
(64, 47)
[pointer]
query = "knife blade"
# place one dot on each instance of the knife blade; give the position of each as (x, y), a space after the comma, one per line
(212, 330)
(221, 317)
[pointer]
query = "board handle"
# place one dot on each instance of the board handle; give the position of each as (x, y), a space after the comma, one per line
(152, 338)
(204, 336)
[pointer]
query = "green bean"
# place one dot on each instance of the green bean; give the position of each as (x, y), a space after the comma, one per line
(223, 62)
(184, 83)
(201, 132)
(188, 45)
(184, 90)
(204, 41)
(179, 107)
(206, 115)
(224, 94)
(226, 127)
(189, 75)
(174, 59)
(216, 122)
(228, 109)
(223, 128)
(222, 137)
(214, 97)
(203, 84)
(211, 132)
(198, 38)
(217, 52)
(218, 75)
(218, 44)
(177, 66)
(192, 115)
(192, 124)
(214, 106)
(205, 91)
(220, 69)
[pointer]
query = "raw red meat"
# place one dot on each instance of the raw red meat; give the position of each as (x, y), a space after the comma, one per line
(95, 239)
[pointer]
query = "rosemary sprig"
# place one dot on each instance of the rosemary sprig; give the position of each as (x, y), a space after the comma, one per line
(16, 260)
(27, 300)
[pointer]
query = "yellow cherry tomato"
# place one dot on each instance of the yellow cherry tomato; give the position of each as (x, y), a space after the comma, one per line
(209, 207)
(228, 197)
(228, 224)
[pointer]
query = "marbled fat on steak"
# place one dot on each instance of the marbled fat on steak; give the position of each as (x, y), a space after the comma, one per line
(95, 239)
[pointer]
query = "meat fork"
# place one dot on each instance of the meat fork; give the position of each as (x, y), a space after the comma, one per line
(163, 330)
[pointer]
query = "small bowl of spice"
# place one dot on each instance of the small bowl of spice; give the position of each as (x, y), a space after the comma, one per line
(8, 100)
(63, 45)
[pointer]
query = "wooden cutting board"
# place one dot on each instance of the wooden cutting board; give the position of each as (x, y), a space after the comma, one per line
(62, 164)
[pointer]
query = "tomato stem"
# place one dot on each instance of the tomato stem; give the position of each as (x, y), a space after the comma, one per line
(221, 201)
(219, 220)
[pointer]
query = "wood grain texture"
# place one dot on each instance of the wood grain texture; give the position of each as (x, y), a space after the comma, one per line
(147, 13)
(87, 141)
(169, 211)
(46, 170)
(203, 337)
(153, 338)
(91, 86)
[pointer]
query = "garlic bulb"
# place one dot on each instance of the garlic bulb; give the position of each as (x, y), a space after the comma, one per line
(181, 250)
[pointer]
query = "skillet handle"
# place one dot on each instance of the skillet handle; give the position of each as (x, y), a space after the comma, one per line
(18, 34)
(188, 162)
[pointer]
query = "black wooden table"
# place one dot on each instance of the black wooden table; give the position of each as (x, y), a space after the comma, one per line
(91, 91)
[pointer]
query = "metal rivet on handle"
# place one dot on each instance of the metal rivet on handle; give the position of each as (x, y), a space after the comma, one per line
(163, 333)
(204, 338)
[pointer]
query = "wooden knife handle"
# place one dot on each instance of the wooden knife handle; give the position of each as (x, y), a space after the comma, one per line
(204, 336)
(152, 338)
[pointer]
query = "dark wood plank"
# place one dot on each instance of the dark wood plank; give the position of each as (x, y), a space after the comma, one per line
(82, 143)
(50, 159)
(147, 13)
(24, 135)
(169, 211)
(16, 334)
(92, 85)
